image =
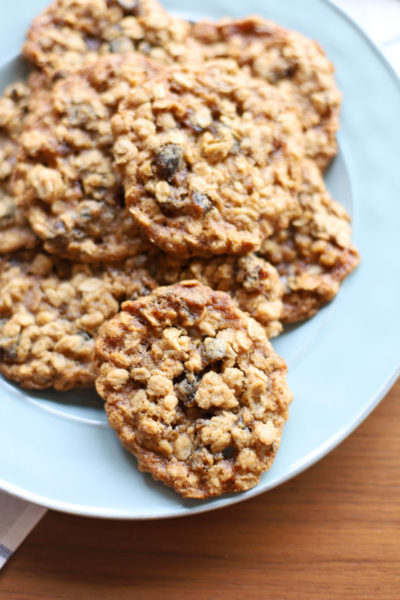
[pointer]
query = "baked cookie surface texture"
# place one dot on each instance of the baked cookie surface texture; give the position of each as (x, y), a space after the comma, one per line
(193, 389)
(50, 312)
(64, 176)
(70, 33)
(293, 63)
(209, 158)
(315, 253)
(15, 232)
(251, 281)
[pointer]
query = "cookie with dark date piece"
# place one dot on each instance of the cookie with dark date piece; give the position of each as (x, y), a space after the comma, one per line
(209, 158)
(193, 389)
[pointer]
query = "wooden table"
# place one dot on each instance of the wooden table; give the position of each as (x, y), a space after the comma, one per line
(332, 532)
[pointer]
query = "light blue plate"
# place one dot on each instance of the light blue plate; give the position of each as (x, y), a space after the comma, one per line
(57, 450)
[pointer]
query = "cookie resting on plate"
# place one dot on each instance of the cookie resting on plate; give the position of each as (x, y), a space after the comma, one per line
(15, 232)
(251, 281)
(193, 389)
(314, 254)
(50, 312)
(64, 176)
(209, 159)
(296, 65)
(71, 32)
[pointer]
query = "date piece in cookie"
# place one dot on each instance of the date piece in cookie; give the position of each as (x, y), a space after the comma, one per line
(193, 389)
(15, 232)
(50, 311)
(314, 254)
(296, 65)
(64, 176)
(209, 159)
(71, 32)
(251, 281)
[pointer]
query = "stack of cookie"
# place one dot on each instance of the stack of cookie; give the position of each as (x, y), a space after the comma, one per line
(163, 214)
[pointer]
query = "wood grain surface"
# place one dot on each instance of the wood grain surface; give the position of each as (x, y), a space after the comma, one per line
(333, 532)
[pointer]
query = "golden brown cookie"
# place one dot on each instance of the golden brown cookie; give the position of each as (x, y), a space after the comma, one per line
(209, 159)
(193, 389)
(64, 176)
(71, 32)
(15, 232)
(50, 311)
(314, 254)
(251, 281)
(296, 65)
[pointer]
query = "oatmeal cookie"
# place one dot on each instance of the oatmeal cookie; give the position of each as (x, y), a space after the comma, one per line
(314, 254)
(15, 232)
(71, 32)
(251, 281)
(296, 65)
(50, 311)
(64, 176)
(209, 158)
(193, 389)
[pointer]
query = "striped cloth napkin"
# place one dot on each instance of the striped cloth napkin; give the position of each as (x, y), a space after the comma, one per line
(17, 519)
(380, 19)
